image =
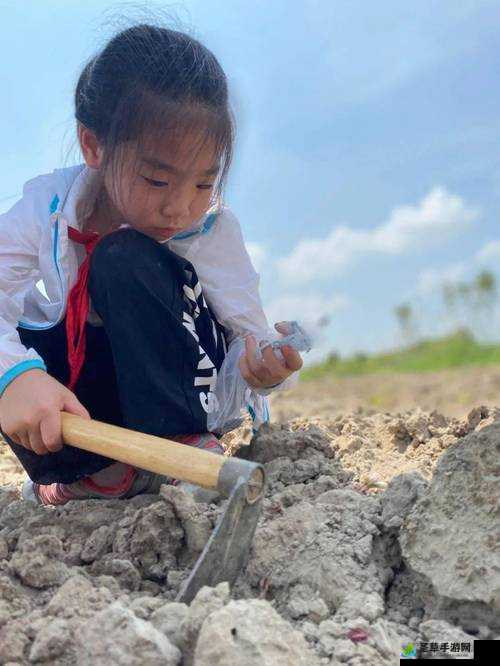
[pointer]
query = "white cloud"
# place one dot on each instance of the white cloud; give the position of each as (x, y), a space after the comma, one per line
(312, 259)
(258, 255)
(432, 279)
(490, 252)
(437, 215)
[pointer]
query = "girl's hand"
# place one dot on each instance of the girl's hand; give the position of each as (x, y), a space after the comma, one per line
(270, 370)
(30, 411)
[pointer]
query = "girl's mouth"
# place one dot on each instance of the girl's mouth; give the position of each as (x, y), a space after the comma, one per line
(164, 233)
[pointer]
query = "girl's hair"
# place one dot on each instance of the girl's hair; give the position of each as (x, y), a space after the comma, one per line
(151, 83)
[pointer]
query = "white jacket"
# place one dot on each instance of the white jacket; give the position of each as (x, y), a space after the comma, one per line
(34, 246)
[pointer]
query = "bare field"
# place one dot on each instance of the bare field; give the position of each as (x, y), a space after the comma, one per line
(449, 392)
(377, 531)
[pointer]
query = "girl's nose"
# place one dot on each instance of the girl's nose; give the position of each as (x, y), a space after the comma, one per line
(178, 203)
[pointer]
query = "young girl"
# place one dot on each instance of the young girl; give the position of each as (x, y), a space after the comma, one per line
(151, 317)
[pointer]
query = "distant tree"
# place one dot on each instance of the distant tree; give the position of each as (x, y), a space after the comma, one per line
(464, 291)
(471, 305)
(449, 294)
(459, 301)
(333, 358)
(485, 291)
(323, 321)
(486, 285)
(466, 296)
(404, 315)
(450, 298)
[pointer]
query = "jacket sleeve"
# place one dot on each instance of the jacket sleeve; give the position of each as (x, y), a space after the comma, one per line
(230, 282)
(231, 286)
(19, 243)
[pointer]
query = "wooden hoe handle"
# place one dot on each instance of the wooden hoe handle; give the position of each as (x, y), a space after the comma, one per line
(155, 454)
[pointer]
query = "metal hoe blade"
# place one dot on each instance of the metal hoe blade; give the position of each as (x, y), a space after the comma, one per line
(226, 552)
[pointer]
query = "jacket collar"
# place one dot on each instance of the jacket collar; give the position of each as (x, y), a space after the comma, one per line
(80, 197)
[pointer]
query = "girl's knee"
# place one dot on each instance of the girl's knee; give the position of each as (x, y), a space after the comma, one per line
(123, 250)
(126, 259)
(121, 247)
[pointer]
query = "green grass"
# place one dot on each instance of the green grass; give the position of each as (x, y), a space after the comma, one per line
(456, 350)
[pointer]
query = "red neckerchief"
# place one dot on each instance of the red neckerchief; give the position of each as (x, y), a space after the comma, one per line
(78, 306)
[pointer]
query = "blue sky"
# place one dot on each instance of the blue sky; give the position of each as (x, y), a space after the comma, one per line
(367, 166)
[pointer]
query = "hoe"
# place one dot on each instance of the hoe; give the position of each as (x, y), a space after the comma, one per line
(243, 482)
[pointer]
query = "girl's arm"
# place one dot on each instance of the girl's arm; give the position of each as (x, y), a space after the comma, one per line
(230, 282)
(19, 243)
(231, 287)
(31, 400)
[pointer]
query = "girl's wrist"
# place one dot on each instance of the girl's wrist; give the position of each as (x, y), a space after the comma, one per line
(266, 390)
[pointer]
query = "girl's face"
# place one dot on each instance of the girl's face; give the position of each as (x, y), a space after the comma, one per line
(163, 191)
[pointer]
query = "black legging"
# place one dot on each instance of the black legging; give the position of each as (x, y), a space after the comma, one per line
(150, 367)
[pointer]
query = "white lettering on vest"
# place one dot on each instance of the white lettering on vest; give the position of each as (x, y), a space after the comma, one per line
(208, 400)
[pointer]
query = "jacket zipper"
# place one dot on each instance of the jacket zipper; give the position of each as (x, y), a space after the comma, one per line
(55, 252)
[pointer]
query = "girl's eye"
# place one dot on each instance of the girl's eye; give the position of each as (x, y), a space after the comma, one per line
(161, 183)
(155, 183)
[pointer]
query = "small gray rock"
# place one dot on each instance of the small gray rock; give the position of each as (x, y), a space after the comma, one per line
(116, 636)
(250, 633)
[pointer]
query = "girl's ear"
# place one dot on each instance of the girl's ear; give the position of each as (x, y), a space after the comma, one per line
(90, 147)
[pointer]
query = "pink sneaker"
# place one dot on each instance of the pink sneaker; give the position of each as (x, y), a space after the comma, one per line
(112, 481)
(205, 441)
(116, 481)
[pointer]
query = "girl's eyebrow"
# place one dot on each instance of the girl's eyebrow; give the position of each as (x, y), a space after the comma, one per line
(163, 166)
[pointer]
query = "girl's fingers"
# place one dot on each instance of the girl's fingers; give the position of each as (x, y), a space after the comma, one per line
(271, 369)
(20, 438)
(293, 359)
(274, 365)
(24, 439)
(254, 365)
(50, 429)
(247, 373)
(283, 327)
(36, 443)
(74, 406)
